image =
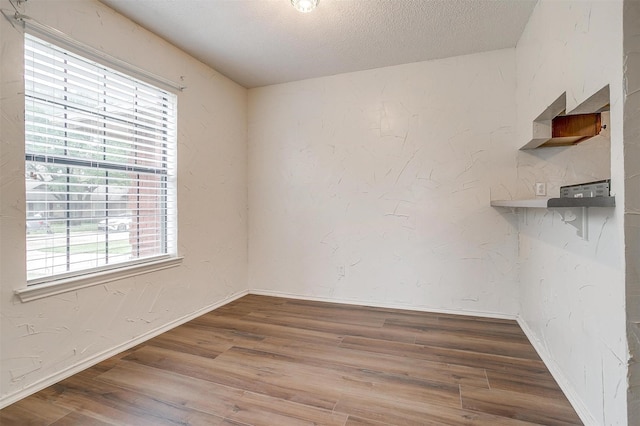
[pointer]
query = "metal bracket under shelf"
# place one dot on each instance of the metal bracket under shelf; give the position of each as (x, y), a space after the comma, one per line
(579, 219)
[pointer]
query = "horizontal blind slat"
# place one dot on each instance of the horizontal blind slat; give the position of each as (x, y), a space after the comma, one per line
(116, 116)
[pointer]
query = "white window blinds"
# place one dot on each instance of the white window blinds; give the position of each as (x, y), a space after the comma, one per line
(100, 156)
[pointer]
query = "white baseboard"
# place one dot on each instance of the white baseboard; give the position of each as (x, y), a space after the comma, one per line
(93, 360)
(555, 370)
(363, 302)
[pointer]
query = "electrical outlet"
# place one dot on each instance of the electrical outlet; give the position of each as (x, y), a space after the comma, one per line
(541, 189)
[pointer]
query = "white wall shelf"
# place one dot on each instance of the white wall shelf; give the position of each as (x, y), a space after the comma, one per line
(545, 203)
(541, 203)
(574, 213)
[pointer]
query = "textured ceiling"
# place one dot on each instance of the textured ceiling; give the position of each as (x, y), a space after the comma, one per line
(263, 42)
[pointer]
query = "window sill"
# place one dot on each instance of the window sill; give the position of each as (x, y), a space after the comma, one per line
(53, 288)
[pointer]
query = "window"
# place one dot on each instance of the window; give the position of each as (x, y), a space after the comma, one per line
(100, 156)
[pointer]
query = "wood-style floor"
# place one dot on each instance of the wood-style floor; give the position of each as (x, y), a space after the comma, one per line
(272, 361)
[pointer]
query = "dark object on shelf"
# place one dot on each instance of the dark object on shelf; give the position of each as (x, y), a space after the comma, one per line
(600, 188)
(582, 202)
(571, 129)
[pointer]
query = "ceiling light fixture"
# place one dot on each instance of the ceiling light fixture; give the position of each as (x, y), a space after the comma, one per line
(305, 6)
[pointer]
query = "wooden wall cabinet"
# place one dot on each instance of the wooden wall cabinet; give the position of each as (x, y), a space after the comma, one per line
(556, 126)
(572, 129)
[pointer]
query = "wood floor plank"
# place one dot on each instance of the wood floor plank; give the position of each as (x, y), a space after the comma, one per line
(542, 384)
(259, 409)
(321, 322)
(32, 411)
(481, 328)
(444, 355)
(235, 371)
(527, 407)
(104, 401)
(484, 326)
(259, 329)
(341, 359)
(335, 313)
(202, 342)
(468, 342)
(174, 389)
(417, 413)
(353, 381)
(75, 418)
(359, 421)
(246, 407)
(373, 331)
(264, 360)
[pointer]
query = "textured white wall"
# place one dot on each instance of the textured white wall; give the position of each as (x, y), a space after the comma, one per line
(44, 338)
(373, 186)
(573, 291)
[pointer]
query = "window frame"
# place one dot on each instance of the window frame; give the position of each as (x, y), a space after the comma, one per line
(72, 280)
